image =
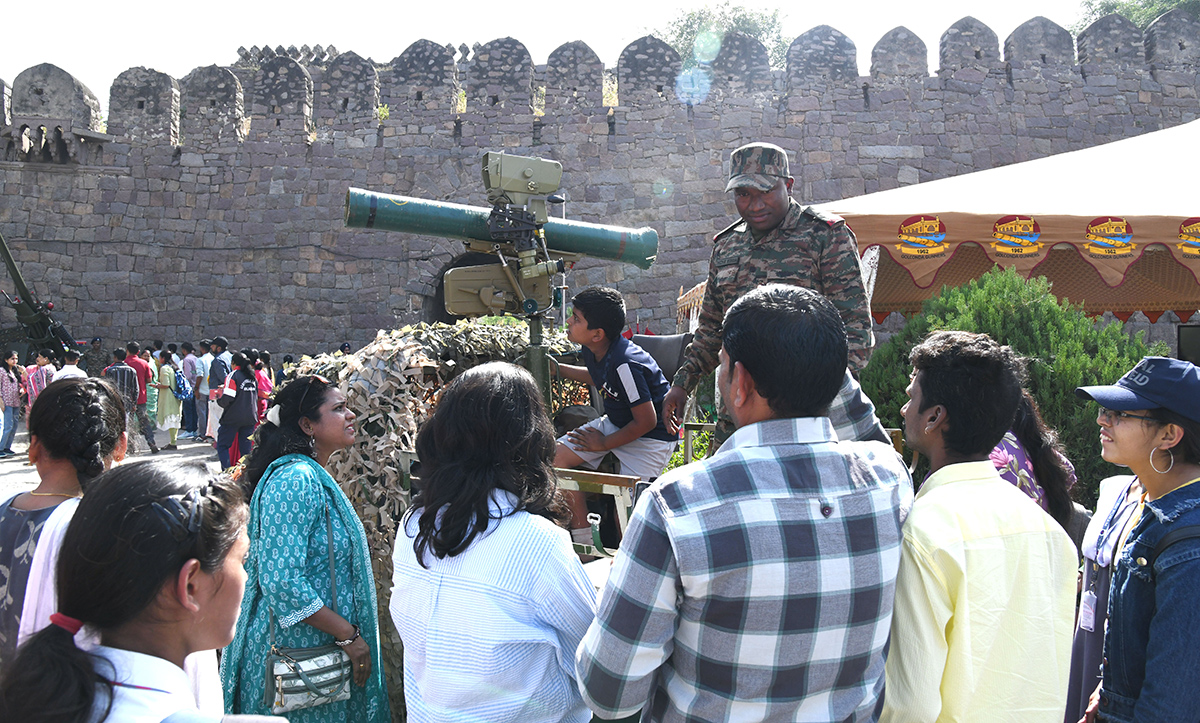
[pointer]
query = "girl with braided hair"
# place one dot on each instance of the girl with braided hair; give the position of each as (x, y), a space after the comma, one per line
(152, 564)
(76, 431)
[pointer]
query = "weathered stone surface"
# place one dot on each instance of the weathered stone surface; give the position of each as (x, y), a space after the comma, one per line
(1173, 40)
(47, 91)
(424, 69)
(574, 76)
(968, 42)
(283, 97)
(822, 54)
(5, 103)
(212, 107)
(742, 65)
(899, 54)
(349, 89)
(501, 72)
(1111, 40)
(144, 104)
(1040, 42)
(647, 65)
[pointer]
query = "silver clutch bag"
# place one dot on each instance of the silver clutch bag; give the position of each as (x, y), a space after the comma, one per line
(306, 677)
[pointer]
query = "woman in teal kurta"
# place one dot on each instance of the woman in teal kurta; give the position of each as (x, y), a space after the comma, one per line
(288, 565)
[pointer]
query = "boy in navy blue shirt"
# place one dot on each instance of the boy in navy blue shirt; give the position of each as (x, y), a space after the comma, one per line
(632, 387)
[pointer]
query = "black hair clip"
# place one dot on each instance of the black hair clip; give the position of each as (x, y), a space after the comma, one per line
(182, 514)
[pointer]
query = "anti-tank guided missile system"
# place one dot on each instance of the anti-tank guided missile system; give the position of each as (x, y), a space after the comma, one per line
(530, 247)
(365, 209)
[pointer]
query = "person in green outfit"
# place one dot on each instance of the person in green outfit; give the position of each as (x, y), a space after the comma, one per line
(170, 410)
(151, 389)
(295, 509)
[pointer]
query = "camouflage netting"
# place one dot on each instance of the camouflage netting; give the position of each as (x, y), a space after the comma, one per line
(391, 384)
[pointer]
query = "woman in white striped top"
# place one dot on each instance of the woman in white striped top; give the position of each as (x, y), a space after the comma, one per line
(489, 598)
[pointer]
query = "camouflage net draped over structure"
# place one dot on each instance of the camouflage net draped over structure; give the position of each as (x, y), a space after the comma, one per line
(392, 385)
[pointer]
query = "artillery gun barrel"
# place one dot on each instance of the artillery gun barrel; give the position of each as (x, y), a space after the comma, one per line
(15, 274)
(36, 324)
(366, 209)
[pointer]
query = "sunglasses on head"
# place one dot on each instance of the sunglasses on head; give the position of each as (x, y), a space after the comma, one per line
(308, 383)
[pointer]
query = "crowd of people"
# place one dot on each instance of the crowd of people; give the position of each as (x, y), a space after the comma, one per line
(794, 573)
(797, 573)
(205, 393)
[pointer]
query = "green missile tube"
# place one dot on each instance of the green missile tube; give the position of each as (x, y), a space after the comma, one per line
(366, 209)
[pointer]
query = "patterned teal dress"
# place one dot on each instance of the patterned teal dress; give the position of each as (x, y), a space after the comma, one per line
(289, 571)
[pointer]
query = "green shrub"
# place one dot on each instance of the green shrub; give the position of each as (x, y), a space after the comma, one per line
(1064, 347)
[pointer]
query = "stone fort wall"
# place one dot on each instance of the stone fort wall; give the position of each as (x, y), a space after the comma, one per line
(212, 204)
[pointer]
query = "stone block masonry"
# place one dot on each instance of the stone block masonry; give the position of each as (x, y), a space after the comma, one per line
(212, 204)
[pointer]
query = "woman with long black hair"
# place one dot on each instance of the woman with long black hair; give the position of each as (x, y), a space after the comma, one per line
(1031, 458)
(76, 432)
(484, 540)
(298, 514)
(11, 381)
(152, 563)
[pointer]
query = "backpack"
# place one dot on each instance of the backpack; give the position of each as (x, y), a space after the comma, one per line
(183, 388)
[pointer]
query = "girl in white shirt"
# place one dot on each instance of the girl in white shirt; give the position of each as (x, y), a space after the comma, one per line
(152, 564)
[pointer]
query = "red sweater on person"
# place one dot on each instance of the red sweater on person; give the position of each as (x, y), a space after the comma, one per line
(144, 375)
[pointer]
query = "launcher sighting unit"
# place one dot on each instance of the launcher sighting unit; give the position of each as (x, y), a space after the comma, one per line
(36, 326)
(530, 247)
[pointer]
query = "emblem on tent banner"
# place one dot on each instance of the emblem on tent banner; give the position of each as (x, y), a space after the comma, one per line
(922, 237)
(1110, 236)
(1189, 233)
(1016, 236)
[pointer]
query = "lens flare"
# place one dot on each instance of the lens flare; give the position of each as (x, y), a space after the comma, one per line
(693, 85)
(706, 46)
(664, 188)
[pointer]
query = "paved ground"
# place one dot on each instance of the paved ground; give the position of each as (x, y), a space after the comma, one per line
(16, 476)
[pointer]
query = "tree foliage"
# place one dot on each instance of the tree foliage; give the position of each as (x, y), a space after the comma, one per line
(1140, 12)
(1063, 347)
(696, 34)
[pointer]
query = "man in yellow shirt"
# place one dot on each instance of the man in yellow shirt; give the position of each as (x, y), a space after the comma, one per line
(985, 597)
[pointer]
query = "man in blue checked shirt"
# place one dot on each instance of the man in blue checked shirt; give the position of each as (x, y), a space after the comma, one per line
(758, 584)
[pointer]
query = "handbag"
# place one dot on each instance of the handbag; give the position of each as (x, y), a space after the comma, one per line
(307, 677)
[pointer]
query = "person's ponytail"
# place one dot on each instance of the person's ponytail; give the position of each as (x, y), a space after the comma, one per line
(52, 670)
(132, 532)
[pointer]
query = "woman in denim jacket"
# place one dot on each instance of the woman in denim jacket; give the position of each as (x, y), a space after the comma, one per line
(1150, 422)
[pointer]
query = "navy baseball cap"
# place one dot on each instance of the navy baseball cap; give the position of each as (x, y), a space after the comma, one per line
(1157, 382)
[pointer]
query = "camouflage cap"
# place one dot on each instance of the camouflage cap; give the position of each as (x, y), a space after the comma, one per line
(760, 165)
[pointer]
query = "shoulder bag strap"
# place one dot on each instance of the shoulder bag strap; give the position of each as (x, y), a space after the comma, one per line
(1187, 532)
(332, 575)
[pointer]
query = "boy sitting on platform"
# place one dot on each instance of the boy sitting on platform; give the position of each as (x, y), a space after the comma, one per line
(633, 388)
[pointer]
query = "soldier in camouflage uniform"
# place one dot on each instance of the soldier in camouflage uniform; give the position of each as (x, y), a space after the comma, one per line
(96, 359)
(776, 240)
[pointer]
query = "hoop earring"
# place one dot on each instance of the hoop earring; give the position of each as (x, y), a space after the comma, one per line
(1169, 467)
(312, 447)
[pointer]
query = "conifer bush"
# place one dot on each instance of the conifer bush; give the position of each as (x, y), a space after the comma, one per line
(1064, 348)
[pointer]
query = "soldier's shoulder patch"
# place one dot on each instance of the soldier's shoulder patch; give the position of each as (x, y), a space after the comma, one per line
(831, 219)
(729, 229)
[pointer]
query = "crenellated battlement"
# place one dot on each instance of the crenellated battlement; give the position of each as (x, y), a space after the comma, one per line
(280, 100)
(231, 179)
